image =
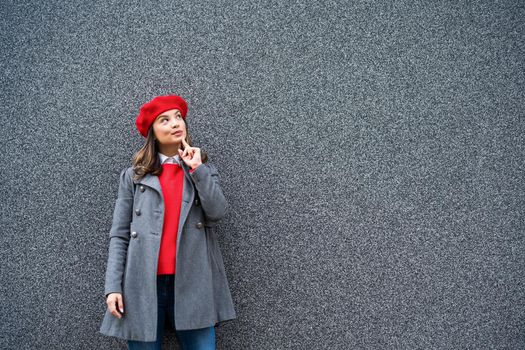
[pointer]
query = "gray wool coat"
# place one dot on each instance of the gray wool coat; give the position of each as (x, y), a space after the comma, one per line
(202, 295)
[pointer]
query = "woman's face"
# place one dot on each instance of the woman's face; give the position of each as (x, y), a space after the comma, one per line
(169, 128)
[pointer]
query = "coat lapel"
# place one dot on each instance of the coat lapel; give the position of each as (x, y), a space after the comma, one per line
(151, 181)
(188, 196)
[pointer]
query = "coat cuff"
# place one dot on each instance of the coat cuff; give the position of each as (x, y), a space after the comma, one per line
(198, 173)
(192, 170)
(112, 289)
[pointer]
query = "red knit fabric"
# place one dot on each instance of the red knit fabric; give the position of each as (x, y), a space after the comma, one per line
(172, 182)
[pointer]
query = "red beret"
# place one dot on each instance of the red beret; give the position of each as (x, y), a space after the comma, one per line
(151, 110)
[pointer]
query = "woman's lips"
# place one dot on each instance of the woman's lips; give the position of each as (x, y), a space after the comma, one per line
(178, 133)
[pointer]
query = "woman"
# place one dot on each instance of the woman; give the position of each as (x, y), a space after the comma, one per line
(164, 259)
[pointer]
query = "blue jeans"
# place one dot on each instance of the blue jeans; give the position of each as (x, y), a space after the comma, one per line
(193, 339)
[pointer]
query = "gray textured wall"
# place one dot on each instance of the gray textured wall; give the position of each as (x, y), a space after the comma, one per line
(372, 154)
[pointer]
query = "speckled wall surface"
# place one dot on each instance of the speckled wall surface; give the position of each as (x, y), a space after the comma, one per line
(372, 155)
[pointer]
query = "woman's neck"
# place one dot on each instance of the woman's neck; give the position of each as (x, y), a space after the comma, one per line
(169, 150)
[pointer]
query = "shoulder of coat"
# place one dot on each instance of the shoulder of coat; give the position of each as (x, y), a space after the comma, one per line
(210, 166)
(129, 172)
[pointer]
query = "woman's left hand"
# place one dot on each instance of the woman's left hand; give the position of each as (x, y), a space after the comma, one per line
(191, 155)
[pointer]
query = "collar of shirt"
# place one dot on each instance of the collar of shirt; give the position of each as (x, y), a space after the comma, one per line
(169, 160)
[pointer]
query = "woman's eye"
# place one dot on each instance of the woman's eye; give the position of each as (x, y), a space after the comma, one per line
(178, 117)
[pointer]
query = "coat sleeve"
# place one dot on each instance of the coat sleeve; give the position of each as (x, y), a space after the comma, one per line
(206, 180)
(119, 234)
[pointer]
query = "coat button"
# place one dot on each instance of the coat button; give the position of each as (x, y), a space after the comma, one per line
(197, 202)
(199, 225)
(137, 211)
(141, 188)
(133, 234)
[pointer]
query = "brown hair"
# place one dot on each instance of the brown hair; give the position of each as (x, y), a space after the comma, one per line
(146, 160)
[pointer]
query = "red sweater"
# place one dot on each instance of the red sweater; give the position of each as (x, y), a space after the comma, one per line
(172, 182)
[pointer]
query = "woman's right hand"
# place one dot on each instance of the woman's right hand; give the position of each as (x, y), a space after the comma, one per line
(115, 304)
